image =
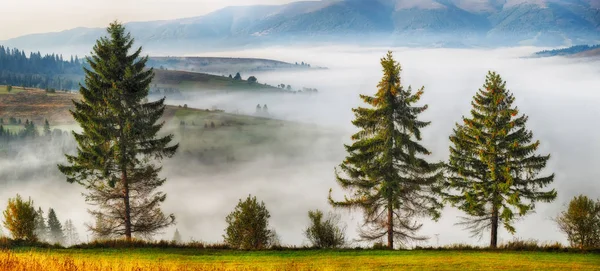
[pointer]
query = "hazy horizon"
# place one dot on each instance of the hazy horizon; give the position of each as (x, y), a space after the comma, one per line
(25, 17)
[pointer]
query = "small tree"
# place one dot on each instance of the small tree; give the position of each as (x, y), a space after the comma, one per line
(177, 237)
(19, 219)
(47, 130)
(248, 226)
(9, 88)
(71, 235)
(56, 234)
(41, 230)
(237, 76)
(324, 232)
(581, 222)
(289, 88)
(252, 80)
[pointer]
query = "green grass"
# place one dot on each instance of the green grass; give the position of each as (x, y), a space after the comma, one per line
(15, 90)
(335, 260)
(189, 81)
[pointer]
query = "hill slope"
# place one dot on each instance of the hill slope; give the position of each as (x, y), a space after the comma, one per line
(472, 22)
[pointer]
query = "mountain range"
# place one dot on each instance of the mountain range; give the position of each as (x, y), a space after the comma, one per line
(449, 23)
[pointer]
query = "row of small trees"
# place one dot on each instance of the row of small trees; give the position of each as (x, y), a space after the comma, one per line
(25, 223)
(248, 228)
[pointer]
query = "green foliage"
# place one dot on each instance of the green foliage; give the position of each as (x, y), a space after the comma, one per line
(9, 88)
(118, 148)
(252, 80)
(248, 226)
(493, 168)
(19, 219)
(385, 170)
(325, 232)
(55, 229)
(581, 222)
(237, 76)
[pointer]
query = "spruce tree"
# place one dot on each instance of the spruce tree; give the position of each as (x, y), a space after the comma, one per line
(47, 131)
(177, 237)
(55, 230)
(494, 173)
(385, 168)
(118, 149)
(41, 229)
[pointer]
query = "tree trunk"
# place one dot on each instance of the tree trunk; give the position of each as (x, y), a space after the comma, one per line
(127, 207)
(390, 229)
(494, 236)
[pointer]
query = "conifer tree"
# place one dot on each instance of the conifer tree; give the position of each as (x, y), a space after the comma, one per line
(385, 168)
(494, 173)
(41, 230)
(55, 229)
(177, 237)
(47, 131)
(118, 149)
(71, 235)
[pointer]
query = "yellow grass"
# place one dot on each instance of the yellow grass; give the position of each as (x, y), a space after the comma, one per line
(170, 259)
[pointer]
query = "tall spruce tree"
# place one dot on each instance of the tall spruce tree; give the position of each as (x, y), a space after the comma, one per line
(385, 169)
(55, 229)
(71, 235)
(118, 149)
(494, 173)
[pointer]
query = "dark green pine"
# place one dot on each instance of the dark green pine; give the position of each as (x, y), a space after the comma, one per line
(494, 173)
(119, 127)
(385, 169)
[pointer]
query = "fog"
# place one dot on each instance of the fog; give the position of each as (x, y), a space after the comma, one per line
(559, 95)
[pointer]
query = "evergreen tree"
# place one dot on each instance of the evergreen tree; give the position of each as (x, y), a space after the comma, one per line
(47, 130)
(177, 237)
(118, 148)
(41, 230)
(71, 235)
(494, 171)
(248, 226)
(384, 169)
(55, 230)
(237, 76)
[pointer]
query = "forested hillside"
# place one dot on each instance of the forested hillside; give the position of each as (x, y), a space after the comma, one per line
(35, 70)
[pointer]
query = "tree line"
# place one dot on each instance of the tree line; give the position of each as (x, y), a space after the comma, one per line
(493, 174)
(49, 71)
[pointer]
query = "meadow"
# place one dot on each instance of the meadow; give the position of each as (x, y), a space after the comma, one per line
(154, 259)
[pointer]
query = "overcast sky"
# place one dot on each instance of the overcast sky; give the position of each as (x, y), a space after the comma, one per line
(21, 17)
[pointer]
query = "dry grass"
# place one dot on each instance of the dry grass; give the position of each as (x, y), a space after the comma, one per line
(194, 259)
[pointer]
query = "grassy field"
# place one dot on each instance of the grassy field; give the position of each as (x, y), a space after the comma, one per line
(4, 90)
(190, 259)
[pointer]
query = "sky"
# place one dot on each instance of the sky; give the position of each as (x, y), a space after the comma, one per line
(24, 17)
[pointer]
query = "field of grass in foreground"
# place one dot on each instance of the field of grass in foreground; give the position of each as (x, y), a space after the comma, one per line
(193, 259)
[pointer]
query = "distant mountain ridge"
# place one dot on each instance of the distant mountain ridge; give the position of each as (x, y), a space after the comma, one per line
(390, 22)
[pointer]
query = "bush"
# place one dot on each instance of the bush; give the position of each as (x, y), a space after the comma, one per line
(19, 219)
(324, 232)
(248, 226)
(9, 88)
(581, 222)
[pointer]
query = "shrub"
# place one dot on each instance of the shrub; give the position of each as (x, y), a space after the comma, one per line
(19, 219)
(248, 226)
(324, 232)
(581, 222)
